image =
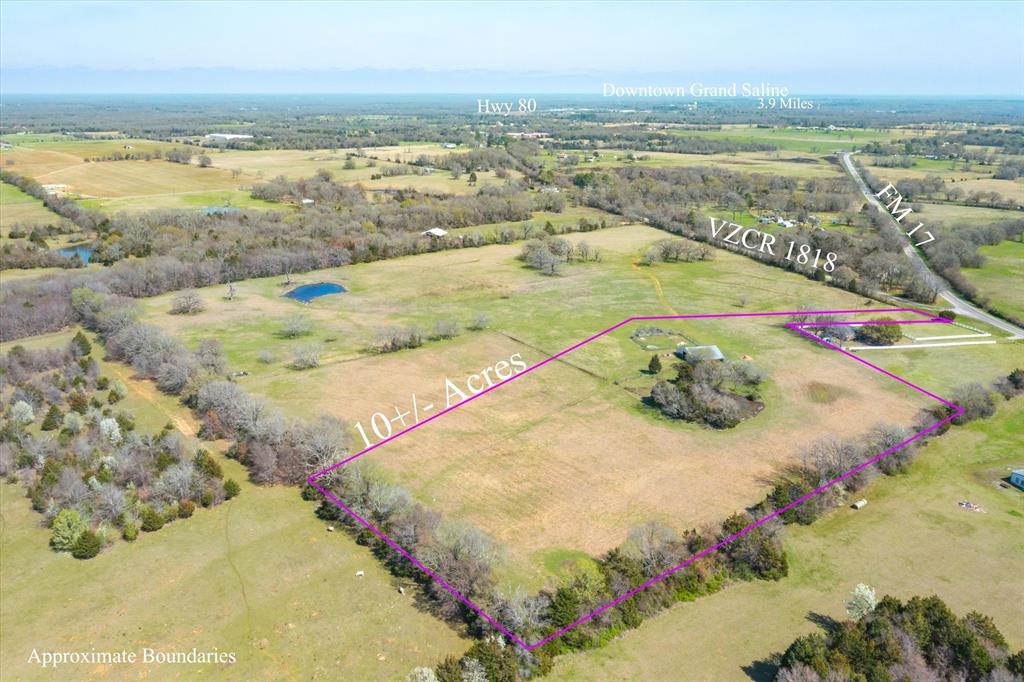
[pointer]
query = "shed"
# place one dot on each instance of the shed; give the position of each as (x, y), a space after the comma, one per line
(435, 232)
(699, 353)
(1017, 478)
(860, 504)
(308, 202)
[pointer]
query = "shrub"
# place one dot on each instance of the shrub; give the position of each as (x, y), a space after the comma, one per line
(87, 546)
(186, 508)
(231, 488)
(206, 499)
(151, 520)
(296, 326)
(21, 413)
(130, 532)
(67, 527)
(102, 384)
(976, 401)
(307, 356)
(207, 465)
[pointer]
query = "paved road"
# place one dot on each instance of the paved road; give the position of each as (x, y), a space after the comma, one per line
(945, 291)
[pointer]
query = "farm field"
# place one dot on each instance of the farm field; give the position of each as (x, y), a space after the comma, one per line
(18, 207)
(966, 181)
(951, 214)
(777, 162)
(800, 140)
(538, 316)
(890, 545)
(112, 179)
(1000, 276)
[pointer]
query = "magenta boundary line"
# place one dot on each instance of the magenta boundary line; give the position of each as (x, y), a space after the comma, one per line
(795, 326)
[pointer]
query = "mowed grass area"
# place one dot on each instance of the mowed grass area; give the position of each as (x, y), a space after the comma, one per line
(257, 575)
(538, 316)
(911, 539)
(1001, 277)
(18, 207)
(951, 214)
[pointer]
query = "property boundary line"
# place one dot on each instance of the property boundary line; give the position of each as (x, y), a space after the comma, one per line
(795, 326)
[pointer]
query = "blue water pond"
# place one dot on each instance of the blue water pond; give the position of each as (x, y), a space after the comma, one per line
(83, 251)
(308, 292)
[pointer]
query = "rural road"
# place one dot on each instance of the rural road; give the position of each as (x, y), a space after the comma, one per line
(959, 305)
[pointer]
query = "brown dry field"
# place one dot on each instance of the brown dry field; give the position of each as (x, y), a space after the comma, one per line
(580, 452)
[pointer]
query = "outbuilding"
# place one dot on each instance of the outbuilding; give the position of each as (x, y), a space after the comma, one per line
(1017, 478)
(694, 354)
(435, 232)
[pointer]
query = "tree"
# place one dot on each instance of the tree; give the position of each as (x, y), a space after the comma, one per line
(862, 601)
(87, 546)
(976, 401)
(421, 674)
(80, 345)
(110, 430)
(204, 161)
(21, 413)
(306, 356)
(67, 527)
(53, 418)
(654, 367)
(472, 178)
(296, 326)
(187, 303)
(231, 488)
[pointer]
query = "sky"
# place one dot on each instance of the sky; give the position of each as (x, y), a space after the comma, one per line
(935, 48)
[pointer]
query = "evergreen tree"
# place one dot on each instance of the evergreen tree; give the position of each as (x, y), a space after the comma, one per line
(655, 366)
(87, 546)
(53, 419)
(80, 344)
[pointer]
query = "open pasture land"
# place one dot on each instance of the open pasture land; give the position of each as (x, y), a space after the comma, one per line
(951, 214)
(256, 576)
(112, 179)
(801, 139)
(979, 179)
(88, 148)
(792, 164)
(911, 539)
(573, 443)
(18, 207)
(1001, 277)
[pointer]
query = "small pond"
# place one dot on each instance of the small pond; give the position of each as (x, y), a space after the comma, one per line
(83, 251)
(308, 292)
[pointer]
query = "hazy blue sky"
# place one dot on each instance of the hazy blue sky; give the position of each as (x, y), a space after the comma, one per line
(950, 48)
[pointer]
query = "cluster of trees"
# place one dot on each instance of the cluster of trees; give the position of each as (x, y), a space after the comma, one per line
(676, 250)
(881, 332)
(956, 247)
(548, 254)
(88, 471)
(706, 391)
(920, 639)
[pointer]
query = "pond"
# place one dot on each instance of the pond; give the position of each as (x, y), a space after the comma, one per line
(308, 292)
(83, 251)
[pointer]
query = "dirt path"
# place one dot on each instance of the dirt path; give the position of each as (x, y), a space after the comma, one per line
(146, 391)
(657, 288)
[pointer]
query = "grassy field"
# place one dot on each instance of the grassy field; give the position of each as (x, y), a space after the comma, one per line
(257, 575)
(951, 214)
(1001, 276)
(911, 539)
(538, 316)
(979, 179)
(112, 179)
(777, 162)
(799, 140)
(18, 207)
